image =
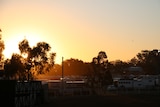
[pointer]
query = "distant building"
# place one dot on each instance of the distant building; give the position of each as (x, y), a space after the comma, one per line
(68, 87)
(141, 82)
(133, 71)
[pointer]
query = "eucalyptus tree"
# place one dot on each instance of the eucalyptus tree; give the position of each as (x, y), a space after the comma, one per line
(2, 47)
(150, 61)
(38, 59)
(101, 76)
(14, 68)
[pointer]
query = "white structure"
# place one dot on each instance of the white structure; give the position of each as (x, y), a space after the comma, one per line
(68, 87)
(125, 83)
(141, 82)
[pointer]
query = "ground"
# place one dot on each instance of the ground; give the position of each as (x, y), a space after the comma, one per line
(103, 101)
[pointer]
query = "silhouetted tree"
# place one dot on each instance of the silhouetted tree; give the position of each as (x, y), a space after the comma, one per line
(14, 68)
(101, 76)
(2, 47)
(72, 67)
(119, 66)
(38, 60)
(133, 61)
(150, 61)
(32, 61)
(75, 67)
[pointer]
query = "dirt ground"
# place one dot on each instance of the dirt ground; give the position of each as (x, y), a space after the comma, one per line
(103, 101)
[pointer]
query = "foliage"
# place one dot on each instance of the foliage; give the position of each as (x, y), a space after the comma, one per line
(118, 66)
(71, 67)
(14, 68)
(2, 47)
(31, 61)
(149, 60)
(74, 67)
(39, 60)
(101, 75)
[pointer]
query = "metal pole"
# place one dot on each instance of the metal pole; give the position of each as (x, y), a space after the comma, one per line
(62, 69)
(62, 78)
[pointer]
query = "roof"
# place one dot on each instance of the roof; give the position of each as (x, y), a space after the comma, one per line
(135, 69)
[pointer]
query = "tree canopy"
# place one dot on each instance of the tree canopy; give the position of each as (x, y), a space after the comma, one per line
(2, 47)
(100, 76)
(32, 61)
(149, 60)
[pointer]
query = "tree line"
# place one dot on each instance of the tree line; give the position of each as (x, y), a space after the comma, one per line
(149, 60)
(99, 71)
(39, 59)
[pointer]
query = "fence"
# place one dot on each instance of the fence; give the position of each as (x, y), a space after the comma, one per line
(147, 91)
(21, 94)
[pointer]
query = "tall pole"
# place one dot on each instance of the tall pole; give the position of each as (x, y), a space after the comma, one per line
(62, 69)
(62, 77)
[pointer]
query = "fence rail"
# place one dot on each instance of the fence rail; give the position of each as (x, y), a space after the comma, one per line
(21, 94)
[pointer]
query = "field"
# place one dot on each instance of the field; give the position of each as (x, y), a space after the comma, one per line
(104, 101)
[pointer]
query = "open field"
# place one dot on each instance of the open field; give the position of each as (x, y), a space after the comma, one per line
(104, 101)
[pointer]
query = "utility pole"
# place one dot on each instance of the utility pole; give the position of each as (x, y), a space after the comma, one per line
(62, 69)
(62, 78)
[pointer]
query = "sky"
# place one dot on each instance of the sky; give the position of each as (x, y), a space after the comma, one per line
(82, 28)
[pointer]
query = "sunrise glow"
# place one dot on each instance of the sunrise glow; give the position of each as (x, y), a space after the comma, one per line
(80, 29)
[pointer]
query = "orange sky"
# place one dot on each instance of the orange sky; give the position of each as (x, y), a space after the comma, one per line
(82, 28)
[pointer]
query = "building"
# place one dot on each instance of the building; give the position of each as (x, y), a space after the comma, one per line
(68, 87)
(135, 70)
(141, 82)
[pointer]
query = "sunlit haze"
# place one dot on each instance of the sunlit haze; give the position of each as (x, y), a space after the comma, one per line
(81, 28)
